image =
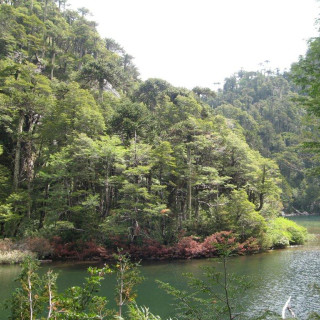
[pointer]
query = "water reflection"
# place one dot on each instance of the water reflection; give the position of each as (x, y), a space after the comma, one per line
(8, 274)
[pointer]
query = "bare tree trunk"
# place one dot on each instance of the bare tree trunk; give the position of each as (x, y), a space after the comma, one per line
(53, 59)
(101, 86)
(189, 186)
(2, 229)
(121, 302)
(30, 297)
(43, 209)
(226, 288)
(107, 197)
(29, 159)
(261, 195)
(51, 281)
(15, 232)
(17, 158)
(135, 148)
(196, 204)
(45, 10)
(29, 162)
(287, 307)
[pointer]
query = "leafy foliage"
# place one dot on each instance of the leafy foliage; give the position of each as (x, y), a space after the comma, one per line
(91, 154)
(37, 296)
(284, 232)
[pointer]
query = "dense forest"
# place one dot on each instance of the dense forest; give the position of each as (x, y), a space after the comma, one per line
(267, 106)
(89, 152)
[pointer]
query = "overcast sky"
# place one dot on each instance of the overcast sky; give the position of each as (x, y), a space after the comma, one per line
(190, 43)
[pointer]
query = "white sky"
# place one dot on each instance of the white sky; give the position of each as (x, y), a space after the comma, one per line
(199, 42)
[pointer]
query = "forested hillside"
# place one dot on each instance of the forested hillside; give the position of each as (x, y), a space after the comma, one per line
(267, 106)
(89, 151)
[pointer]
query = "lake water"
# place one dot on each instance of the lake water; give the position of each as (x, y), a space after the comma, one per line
(276, 276)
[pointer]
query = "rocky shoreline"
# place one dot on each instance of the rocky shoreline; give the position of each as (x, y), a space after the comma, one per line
(298, 213)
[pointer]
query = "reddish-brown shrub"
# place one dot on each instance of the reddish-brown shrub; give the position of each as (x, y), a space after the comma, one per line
(6, 245)
(150, 250)
(117, 241)
(212, 244)
(80, 250)
(250, 246)
(38, 245)
(188, 248)
(89, 250)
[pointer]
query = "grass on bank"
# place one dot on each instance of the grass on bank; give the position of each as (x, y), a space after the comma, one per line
(11, 254)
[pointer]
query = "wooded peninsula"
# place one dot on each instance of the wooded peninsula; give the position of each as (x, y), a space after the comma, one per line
(93, 158)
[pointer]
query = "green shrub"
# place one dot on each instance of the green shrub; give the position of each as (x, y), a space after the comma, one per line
(283, 232)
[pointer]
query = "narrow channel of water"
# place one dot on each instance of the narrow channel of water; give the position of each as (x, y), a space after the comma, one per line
(276, 276)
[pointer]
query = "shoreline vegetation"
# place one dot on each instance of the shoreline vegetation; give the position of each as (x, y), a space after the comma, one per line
(280, 234)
